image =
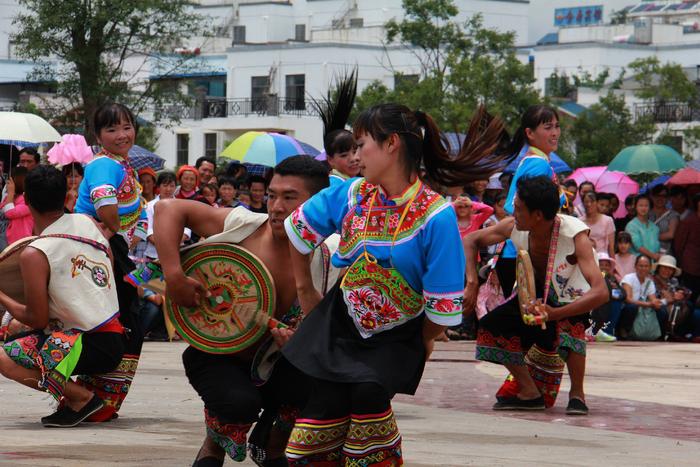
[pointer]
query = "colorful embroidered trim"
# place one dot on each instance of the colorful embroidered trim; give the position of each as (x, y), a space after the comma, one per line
(304, 237)
(444, 308)
(317, 442)
(373, 440)
(111, 387)
(499, 349)
(231, 437)
(103, 195)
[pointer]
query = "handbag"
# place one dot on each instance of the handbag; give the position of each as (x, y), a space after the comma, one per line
(646, 326)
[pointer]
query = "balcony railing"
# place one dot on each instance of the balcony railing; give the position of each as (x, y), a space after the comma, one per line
(220, 107)
(668, 112)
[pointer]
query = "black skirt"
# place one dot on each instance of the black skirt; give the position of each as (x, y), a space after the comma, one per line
(328, 346)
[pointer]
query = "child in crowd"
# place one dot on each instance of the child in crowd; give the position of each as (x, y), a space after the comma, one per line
(606, 317)
(244, 198)
(624, 260)
(227, 192)
(210, 193)
(15, 209)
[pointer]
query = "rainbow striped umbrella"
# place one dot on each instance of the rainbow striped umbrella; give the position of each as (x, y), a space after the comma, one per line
(257, 147)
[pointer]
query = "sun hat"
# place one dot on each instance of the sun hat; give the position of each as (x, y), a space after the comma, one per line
(669, 261)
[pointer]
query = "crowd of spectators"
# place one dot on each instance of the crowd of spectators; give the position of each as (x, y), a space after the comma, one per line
(649, 257)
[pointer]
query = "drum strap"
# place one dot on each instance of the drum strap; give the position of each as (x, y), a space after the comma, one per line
(93, 243)
(550, 259)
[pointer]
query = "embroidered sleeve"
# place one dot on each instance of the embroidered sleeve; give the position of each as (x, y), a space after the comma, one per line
(443, 279)
(103, 195)
(319, 217)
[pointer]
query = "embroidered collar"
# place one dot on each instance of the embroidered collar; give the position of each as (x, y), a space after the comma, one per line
(340, 174)
(403, 198)
(116, 157)
(538, 152)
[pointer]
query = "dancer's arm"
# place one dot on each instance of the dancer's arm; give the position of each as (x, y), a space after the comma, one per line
(307, 294)
(170, 218)
(480, 239)
(35, 273)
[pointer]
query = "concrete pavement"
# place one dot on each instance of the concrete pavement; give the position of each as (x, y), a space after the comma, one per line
(644, 400)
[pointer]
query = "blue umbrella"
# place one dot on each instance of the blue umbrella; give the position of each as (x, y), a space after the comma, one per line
(140, 158)
(694, 164)
(558, 165)
(308, 149)
(660, 180)
(456, 140)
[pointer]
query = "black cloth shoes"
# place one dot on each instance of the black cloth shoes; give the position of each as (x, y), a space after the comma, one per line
(68, 418)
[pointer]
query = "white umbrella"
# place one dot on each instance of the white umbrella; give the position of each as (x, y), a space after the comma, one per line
(25, 129)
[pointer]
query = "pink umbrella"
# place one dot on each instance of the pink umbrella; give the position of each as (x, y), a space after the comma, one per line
(607, 182)
(687, 176)
(72, 148)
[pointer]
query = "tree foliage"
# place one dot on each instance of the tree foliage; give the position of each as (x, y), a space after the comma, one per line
(462, 65)
(92, 40)
(662, 82)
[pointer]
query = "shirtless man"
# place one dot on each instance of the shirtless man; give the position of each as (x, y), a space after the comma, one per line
(231, 400)
(575, 286)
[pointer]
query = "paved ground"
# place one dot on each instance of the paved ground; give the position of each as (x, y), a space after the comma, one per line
(644, 399)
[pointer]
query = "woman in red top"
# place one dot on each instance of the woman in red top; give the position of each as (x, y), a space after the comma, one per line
(15, 209)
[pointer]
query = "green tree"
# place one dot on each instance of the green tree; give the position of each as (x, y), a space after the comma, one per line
(662, 82)
(462, 64)
(606, 128)
(93, 39)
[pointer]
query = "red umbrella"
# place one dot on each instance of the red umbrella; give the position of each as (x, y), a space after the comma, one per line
(687, 176)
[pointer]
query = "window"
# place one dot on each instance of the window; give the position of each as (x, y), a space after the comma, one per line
(357, 22)
(210, 145)
(295, 92)
(401, 80)
(239, 35)
(213, 87)
(183, 148)
(259, 87)
(300, 32)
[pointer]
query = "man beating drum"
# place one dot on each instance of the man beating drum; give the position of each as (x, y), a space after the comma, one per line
(232, 400)
(567, 283)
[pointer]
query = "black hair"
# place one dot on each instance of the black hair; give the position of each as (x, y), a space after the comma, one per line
(584, 183)
(45, 189)
(695, 201)
(166, 177)
(210, 186)
(76, 167)
(676, 190)
(534, 116)
(110, 114)
(259, 179)
(334, 109)
(500, 197)
(591, 194)
(539, 194)
(639, 257)
(19, 176)
(570, 182)
(233, 167)
(624, 237)
(640, 197)
(201, 160)
(313, 172)
(32, 152)
(612, 196)
(602, 196)
(658, 189)
(226, 180)
(424, 145)
(630, 199)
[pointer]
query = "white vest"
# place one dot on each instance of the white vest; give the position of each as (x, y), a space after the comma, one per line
(241, 223)
(567, 279)
(82, 291)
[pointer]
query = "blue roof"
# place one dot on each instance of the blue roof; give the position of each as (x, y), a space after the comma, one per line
(572, 108)
(16, 71)
(548, 39)
(182, 66)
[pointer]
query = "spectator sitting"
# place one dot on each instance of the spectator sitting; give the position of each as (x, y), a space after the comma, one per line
(73, 174)
(209, 193)
(606, 317)
(15, 209)
(147, 179)
(258, 187)
(644, 233)
(151, 315)
(621, 222)
(679, 201)
(640, 292)
(227, 192)
(188, 177)
(674, 299)
(602, 227)
(244, 198)
(665, 219)
(687, 244)
(624, 260)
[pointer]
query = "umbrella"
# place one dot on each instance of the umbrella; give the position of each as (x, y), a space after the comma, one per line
(24, 129)
(558, 165)
(660, 180)
(605, 181)
(269, 149)
(647, 159)
(140, 158)
(694, 164)
(72, 148)
(687, 176)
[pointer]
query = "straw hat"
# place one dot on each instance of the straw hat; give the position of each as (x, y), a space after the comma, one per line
(670, 261)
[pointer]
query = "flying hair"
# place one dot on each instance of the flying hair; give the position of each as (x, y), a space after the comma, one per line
(334, 110)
